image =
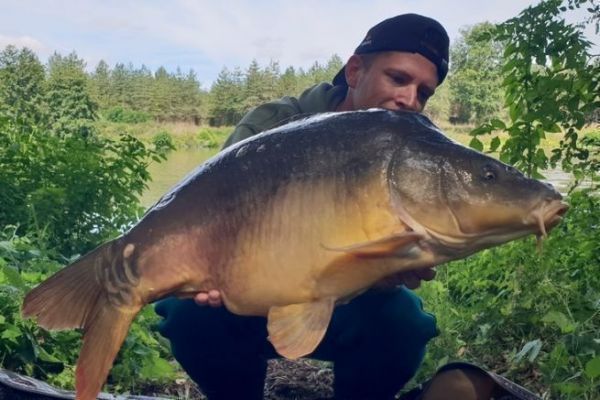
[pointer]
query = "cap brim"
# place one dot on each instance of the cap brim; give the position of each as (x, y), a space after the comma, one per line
(340, 78)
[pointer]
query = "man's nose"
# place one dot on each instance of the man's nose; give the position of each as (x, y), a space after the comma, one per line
(407, 99)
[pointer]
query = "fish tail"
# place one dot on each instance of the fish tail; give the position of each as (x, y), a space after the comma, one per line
(102, 340)
(95, 295)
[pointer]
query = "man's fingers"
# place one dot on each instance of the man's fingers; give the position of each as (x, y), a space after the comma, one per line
(211, 298)
(426, 274)
(201, 298)
(411, 280)
(214, 298)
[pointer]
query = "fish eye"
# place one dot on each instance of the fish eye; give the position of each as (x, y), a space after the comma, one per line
(489, 173)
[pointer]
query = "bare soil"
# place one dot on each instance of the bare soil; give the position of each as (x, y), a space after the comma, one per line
(286, 380)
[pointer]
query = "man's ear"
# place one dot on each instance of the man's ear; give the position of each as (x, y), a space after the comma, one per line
(354, 67)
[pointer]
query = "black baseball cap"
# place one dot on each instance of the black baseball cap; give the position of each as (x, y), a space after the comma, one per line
(410, 33)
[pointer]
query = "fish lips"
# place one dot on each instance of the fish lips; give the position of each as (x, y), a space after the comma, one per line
(549, 215)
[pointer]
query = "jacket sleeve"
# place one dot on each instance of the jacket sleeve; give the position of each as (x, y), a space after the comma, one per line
(263, 117)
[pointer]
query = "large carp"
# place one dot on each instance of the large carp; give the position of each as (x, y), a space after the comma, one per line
(290, 222)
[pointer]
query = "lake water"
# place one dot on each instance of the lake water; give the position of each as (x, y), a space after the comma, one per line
(167, 173)
(182, 161)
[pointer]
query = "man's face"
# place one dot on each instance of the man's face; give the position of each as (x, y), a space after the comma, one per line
(392, 80)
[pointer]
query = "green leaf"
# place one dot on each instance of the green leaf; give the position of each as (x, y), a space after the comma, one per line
(530, 349)
(476, 144)
(11, 333)
(495, 143)
(498, 124)
(568, 388)
(484, 129)
(157, 368)
(554, 128)
(45, 356)
(592, 368)
(505, 157)
(11, 276)
(515, 111)
(560, 320)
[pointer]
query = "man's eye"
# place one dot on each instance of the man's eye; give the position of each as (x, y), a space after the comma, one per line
(399, 79)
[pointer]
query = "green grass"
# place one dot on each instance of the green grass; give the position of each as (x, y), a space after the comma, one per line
(183, 135)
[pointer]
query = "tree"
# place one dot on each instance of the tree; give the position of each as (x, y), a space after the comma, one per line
(226, 97)
(22, 86)
(121, 86)
(260, 84)
(475, 75)
(189, 95)
(163, 95)
(333, 66)
(60, 183)
(71, 110)
(438, 106)
(550, 85)
(100, 85)
(288, 83)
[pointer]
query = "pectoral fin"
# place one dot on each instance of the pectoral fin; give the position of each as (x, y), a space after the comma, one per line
(361, 265)
(388, 246)
(296, 330)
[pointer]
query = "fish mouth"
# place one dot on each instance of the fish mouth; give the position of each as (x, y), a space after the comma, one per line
(544, 216)
(548, 216)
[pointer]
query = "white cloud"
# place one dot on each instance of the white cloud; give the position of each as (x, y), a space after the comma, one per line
(206, 35)
(24, 41)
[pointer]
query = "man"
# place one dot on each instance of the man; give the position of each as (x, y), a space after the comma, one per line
(377, 341)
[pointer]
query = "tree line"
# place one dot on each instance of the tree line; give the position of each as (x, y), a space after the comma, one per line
(125, 93)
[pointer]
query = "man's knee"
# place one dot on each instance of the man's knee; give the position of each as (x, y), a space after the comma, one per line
(378, 342)
(220, 351)
(399, 316)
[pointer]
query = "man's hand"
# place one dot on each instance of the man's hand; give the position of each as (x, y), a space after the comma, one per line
(410, 279)
(211, 298)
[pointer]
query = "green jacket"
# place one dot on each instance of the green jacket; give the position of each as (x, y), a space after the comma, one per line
(322, 97)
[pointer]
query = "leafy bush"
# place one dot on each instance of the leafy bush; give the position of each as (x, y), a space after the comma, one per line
(63, 190)
(163, 141)
(24, 347)
(211, 137)
(145, 356)
(532, 316)
(120, 114)
(75, 191)
(51, 356)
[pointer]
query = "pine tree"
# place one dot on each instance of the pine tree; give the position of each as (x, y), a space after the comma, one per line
(100, 85)
(71, 109)
(22, 87)
(226, 97)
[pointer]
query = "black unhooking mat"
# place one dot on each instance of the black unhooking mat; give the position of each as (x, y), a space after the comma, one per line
(18, 387)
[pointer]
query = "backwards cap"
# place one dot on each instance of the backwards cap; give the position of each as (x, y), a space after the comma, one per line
(410, 33)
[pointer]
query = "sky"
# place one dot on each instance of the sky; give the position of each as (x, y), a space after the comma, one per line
(208, 35)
